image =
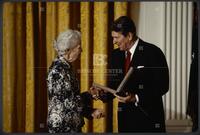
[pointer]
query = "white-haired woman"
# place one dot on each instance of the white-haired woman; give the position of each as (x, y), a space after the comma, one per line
(66, 105)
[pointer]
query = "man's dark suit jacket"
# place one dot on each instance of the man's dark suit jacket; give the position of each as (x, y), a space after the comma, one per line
(149, 80)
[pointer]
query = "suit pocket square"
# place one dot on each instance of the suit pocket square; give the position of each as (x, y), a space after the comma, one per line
(138, 67)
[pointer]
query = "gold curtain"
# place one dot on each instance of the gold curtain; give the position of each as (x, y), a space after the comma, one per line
(29, 30)
(100, 56)
(30, 77)
(8, 72)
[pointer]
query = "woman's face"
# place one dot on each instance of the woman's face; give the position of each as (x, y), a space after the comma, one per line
(75, 53)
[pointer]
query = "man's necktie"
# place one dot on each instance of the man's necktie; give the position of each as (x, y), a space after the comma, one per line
(127, 61)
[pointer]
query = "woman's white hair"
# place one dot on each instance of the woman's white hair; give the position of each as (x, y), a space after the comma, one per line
(67, 40)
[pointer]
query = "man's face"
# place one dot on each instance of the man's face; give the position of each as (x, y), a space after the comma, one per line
(123, 42)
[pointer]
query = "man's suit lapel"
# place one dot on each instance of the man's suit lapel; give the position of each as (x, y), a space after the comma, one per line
(137, 55)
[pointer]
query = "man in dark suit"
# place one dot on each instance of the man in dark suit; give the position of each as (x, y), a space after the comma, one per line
(140, 107)
(192, 104)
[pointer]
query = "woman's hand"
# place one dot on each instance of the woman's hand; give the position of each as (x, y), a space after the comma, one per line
(98, 113)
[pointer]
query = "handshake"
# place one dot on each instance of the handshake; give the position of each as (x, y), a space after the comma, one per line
(98, 91)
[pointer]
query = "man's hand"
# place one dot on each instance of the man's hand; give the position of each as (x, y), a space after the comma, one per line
(98, 113)
(130, 97)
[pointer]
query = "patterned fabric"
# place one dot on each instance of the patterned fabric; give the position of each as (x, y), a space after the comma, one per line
(64, 99)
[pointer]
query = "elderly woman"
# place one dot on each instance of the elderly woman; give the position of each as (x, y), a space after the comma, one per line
(66, 105)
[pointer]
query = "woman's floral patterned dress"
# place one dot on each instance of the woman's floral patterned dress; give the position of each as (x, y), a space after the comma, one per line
(65, 105)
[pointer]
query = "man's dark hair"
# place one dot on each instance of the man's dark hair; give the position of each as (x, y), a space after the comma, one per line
(124, 24)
